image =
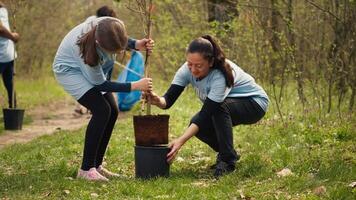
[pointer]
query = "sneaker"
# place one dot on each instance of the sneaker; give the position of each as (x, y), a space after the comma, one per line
(223, 168)
(91, 175)
(218, 160)
(106, 173)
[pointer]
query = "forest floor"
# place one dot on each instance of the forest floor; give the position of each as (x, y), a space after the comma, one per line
(45, 121)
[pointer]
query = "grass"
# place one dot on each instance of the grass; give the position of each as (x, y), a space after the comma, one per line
(31, 93)
(319, 152)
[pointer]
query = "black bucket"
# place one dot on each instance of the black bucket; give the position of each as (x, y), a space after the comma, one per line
(13, 118)
(151, 162)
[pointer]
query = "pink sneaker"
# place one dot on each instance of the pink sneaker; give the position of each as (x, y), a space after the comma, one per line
(106, 173)
(91, 175)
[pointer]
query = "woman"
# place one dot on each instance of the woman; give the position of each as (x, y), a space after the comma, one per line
(82, 65)
(7, 53)
(230, 96)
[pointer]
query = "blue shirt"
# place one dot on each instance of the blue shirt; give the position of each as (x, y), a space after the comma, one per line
(214, 86)
(69, 68)
(7, 46)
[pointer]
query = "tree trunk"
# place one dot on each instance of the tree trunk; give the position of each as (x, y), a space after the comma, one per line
(222, 10)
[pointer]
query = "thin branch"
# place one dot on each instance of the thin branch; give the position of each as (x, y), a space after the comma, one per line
(254, 6)
(322, 9)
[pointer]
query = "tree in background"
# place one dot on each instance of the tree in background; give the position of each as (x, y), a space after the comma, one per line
(302, 48)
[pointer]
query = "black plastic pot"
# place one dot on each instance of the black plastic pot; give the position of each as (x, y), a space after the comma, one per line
(13, 118)
(151, 162)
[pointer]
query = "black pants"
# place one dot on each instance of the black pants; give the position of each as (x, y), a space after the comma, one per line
(217, 132)
(7, 71)
(104, 114)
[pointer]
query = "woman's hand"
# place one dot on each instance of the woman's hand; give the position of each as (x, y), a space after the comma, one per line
(154, 99)
(145, 44)
(144, 84)
(15, 37)
(175, 145)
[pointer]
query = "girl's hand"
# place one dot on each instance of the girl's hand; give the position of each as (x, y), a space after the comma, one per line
(175, 145)
(144, 84)
(145, 44)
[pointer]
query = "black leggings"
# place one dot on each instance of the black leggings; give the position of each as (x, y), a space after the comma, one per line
(104, 114)
(7, 71)
(217, 132)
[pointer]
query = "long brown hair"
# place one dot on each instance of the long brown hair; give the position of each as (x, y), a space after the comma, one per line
(211, 51)
(110, 33)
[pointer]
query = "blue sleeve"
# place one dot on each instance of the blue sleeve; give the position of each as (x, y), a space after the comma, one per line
(182, 76)
(111, 86)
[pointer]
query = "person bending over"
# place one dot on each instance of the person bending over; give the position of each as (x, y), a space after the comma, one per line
(82, 65)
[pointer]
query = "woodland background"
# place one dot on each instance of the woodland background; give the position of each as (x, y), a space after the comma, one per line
(302, 52)
(307, 44)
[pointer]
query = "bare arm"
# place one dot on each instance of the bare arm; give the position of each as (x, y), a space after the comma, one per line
(8, 34)
(178, 143)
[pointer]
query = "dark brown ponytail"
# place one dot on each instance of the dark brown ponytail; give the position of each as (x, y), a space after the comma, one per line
(87, 46)
(211, 51)
(110, 33)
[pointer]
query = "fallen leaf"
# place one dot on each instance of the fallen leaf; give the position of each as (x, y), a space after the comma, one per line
(47, 194)
(162, 197)
(94, 195)
(284, 172)
(180, 159)
(194, 162)
(353, 184)
(242, 196)
(321, 190)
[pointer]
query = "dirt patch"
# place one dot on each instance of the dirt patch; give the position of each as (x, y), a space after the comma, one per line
(46, 120)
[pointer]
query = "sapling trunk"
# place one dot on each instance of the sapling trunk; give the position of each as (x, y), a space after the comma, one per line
(146, 12)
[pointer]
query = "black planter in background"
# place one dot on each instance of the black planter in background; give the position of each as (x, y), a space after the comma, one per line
(13, 118)
(151, 161)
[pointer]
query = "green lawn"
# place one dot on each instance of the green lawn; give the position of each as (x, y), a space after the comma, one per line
(319, 152)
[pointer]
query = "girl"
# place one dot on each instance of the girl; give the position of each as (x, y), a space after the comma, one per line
(82, 65)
